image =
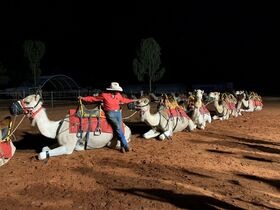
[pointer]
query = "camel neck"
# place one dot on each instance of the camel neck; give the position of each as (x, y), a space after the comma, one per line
(151, 119)
(46, 127)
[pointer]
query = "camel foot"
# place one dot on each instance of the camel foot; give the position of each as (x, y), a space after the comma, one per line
(79, 147)
(151, 134)
(161, 136)
(42, 155)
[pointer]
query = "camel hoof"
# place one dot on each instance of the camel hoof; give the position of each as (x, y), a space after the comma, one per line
(146, 136)
(42, 156)
(79, 147)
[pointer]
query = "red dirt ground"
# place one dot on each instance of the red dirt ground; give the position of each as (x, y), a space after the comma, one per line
(232, 164)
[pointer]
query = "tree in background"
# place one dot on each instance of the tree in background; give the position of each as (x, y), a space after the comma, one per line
(147, 64)
(4, 78)
(34, 51)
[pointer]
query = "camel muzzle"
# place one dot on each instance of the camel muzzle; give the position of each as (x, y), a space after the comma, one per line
(16, 109)
(131, 106)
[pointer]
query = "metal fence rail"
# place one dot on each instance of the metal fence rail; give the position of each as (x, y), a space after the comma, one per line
(51, 98)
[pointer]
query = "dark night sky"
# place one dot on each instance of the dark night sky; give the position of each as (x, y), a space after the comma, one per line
(210, 42)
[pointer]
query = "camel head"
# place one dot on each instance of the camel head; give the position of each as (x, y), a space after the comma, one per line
(240, 95)
(214, 95)
(30, 106)
(198, 94)
(142, 103)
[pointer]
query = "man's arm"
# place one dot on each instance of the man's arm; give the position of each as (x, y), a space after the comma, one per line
(92, 98)
(127, 100)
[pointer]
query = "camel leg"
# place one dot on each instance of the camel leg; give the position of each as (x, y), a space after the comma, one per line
(215, 117)
(151, 134)
(62, 150)
(209, 119)
(80, 146)
(166, 134)
(191, 125)
(203, 125)
(46, 148)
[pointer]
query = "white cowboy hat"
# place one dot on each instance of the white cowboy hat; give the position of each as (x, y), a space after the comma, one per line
(115, 87)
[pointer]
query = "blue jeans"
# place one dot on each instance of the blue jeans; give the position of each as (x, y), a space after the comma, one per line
(115, 119)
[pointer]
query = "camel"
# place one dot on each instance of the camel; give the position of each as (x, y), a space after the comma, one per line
(32, 107)
(163, 124)
(231, 103)
(199, 113)
(257, 100)
(248, 102)
(220, 109)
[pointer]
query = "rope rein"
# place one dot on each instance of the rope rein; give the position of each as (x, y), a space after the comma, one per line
(12, 133)
(125, 118)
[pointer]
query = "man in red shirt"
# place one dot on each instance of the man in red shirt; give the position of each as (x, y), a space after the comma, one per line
(111, 104)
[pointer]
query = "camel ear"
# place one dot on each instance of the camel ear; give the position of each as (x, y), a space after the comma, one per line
(37, 97)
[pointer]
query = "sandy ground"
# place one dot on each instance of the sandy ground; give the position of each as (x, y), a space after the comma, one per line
(232, 164)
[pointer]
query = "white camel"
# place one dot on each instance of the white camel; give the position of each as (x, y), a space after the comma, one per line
(220, 109)
(200, 114)
(248, 102)
(68, 141)
(162, 124)
(231, 103)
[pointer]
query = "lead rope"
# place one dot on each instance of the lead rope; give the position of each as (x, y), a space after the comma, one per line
(12, 133)
(125, 118)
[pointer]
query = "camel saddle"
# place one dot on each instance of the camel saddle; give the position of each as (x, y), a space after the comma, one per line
(89, 120)
(178, 112)
(5, 145)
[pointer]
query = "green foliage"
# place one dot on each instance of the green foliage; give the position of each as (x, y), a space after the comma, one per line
(34, 51)
(147, 64)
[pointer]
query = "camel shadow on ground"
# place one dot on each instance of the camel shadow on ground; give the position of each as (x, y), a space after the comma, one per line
(246, 141)
(34, 142)
(272, 182)
(138, 128)
(184, 201)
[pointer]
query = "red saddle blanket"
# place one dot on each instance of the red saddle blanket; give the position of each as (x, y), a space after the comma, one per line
(203, 110)
(176, 113)
(258, 103)
(231, 106)
(5, 147)
(74, 125)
